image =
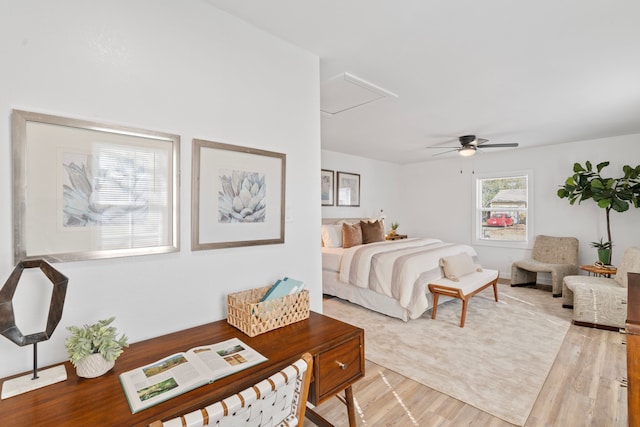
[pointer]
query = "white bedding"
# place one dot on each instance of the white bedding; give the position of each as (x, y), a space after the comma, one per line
(397, 269)
(331, 258)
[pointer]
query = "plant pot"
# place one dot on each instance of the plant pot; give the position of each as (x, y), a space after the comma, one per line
(604, 256)
(93, 366)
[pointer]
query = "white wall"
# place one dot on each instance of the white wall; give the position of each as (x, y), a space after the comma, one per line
(438, 197)
(180, 67)
(378, 187)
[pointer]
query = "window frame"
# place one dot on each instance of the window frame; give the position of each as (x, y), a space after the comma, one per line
(477, 209)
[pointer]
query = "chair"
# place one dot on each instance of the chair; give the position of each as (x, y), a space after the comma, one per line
(279, 400)
(600, 301)
(555, 255)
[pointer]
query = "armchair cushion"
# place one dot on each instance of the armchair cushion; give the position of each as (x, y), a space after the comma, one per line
(555, 250)
(569, 283)
(600, 304)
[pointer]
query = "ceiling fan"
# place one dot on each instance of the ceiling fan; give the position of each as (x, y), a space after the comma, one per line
(470, 144)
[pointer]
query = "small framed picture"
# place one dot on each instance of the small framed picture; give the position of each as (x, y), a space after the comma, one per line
(238, 196)
(348, 189)
(326, 187)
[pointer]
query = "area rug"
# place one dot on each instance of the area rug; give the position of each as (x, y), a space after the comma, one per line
(497, 363)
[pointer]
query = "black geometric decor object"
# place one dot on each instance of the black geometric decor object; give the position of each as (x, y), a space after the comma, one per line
(8, 326)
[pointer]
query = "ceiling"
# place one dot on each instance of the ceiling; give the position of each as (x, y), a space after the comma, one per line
(532, 72)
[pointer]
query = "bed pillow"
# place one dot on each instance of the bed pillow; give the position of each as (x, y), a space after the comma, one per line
(351, 235)
(332, 236)
(456, 266)
(372, 231)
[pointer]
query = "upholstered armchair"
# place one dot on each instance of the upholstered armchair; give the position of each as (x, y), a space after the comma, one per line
(555, 255)
(600, 301)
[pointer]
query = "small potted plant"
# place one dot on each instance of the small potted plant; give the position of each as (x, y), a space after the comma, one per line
(604, 251)
(93, 349)
(394, 228)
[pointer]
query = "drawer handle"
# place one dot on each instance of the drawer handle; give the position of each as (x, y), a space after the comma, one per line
(341, 365)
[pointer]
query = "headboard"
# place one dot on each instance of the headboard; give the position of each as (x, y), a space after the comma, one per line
(348, 220)
(333, 236)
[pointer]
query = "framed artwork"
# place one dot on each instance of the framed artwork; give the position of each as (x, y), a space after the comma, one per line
(348, 189)
(87, 190)
(326, 187)
(238, 196)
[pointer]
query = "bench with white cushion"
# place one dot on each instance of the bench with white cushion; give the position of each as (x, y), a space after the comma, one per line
(464, 288)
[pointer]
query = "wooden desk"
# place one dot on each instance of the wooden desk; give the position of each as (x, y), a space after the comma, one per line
(338, 362)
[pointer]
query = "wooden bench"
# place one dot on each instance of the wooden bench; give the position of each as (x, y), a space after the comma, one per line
(468, 286)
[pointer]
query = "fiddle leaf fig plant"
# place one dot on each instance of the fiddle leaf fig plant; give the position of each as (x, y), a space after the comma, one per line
(609, 193)
(97, 338)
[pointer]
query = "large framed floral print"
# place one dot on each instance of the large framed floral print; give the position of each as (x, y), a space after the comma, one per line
(237, 196)
(89, 190)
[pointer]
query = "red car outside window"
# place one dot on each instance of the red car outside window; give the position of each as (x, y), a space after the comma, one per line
(500, 220)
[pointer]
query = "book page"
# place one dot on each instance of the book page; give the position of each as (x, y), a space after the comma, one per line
(176, 374)
(226, 357)
(161, 380)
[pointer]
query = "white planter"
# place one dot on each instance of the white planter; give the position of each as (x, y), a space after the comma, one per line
(93, 366)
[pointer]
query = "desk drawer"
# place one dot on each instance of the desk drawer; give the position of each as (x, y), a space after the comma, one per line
(340, 366)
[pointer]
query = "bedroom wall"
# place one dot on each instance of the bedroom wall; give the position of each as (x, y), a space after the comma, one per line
(442, 206)
(179, 67)
(378, 186)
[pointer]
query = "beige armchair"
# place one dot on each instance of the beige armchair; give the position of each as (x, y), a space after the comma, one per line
(600, 301)
(555, 255)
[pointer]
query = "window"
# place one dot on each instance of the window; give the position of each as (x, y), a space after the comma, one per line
(502, 214)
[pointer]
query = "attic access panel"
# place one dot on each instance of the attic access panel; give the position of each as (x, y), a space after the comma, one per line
(346, 91)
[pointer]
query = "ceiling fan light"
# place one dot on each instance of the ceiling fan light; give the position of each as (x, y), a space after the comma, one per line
(467, 151)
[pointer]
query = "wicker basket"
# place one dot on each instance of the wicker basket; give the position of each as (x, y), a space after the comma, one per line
(247, 313)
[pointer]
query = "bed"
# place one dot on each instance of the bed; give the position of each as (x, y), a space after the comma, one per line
(387, 276)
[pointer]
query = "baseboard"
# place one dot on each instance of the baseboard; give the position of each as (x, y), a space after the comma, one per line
(593, 325)
(521, 285)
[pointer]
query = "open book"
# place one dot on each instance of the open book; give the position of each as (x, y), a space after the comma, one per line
(176, 374)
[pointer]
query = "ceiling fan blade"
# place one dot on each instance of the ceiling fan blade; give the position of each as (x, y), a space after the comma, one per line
(441, 148)
(480, 141)
(445, 152)
(509, 144)
(445, 143)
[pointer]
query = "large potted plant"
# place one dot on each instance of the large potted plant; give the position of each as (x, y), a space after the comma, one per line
(609, 193)
(93, 349)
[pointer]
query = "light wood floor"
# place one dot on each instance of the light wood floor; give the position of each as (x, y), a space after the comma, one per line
(583, 389)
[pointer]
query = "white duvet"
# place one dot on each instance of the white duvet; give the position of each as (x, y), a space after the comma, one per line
(399, 269)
